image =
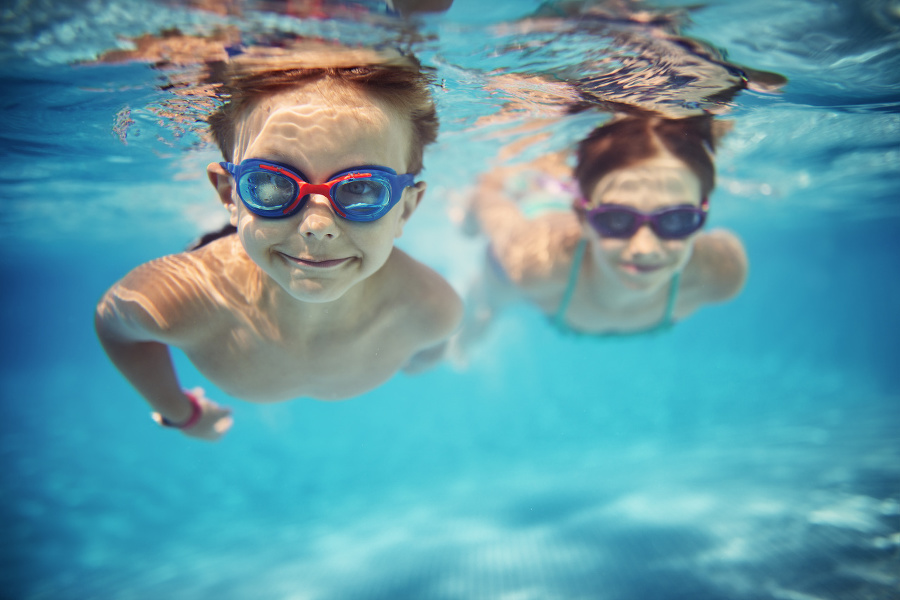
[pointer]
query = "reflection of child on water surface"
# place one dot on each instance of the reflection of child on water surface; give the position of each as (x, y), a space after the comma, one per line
(629, 257)
(310, 298)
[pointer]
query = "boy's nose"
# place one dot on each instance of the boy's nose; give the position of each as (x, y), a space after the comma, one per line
(317, 219)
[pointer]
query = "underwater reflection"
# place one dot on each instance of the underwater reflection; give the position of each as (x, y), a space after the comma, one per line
(613, 246)
(620, 56)
(324, 9)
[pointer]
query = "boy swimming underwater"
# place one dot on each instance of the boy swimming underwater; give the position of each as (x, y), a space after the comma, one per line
(309, 298)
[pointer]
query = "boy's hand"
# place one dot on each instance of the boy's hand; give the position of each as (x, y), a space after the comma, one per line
(214, 420)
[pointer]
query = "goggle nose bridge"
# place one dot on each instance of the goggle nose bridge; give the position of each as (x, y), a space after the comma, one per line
(305, 189)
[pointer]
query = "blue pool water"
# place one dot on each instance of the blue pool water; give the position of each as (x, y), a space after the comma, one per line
(750, 454)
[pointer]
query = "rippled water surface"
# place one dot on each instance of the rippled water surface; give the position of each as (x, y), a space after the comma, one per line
(751, 453)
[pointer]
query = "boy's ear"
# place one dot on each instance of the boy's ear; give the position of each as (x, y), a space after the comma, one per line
(221, 180)
(412, 196)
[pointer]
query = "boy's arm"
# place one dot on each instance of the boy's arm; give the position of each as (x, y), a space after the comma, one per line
(132, 333)
(424, 360)
(439, 314)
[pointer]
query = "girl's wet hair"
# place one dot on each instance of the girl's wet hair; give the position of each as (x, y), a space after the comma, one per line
(401, 84)
(628, 141)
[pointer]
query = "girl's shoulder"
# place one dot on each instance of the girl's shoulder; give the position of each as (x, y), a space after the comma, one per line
(718, 267)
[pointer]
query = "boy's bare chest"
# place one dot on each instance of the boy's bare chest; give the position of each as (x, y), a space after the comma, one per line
(267, 366)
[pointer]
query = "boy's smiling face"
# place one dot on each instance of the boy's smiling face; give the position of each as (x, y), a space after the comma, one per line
(320, 129)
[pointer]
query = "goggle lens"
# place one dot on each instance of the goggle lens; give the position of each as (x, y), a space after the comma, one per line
(266, 191)
(362, 196)
(668, 224)
(274, 190)
(677, 223)
(615, 223)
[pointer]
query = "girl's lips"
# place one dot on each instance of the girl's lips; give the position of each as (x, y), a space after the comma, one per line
(317, 263)
(635, 268)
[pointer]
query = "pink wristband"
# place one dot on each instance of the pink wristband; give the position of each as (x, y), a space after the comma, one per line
(196, 412)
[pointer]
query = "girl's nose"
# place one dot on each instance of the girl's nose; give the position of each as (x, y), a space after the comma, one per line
(317, 219)
(644, 242)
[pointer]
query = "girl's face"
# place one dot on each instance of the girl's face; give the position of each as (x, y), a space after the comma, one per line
(644, 261)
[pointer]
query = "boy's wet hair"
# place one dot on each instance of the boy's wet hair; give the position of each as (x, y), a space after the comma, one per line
(400, 84)
(628, 141)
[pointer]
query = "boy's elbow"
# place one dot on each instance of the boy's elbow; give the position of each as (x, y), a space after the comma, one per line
(118, 319)
(104, 318)
(110, 328)
(438, 327)
(448, 318)
(442, 316)
(455, 315)
(425, 359)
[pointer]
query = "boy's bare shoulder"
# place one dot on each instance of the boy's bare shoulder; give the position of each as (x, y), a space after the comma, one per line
(171, 295)
(427, 303)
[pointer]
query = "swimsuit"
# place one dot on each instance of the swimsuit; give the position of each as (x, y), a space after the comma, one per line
(559, 319)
